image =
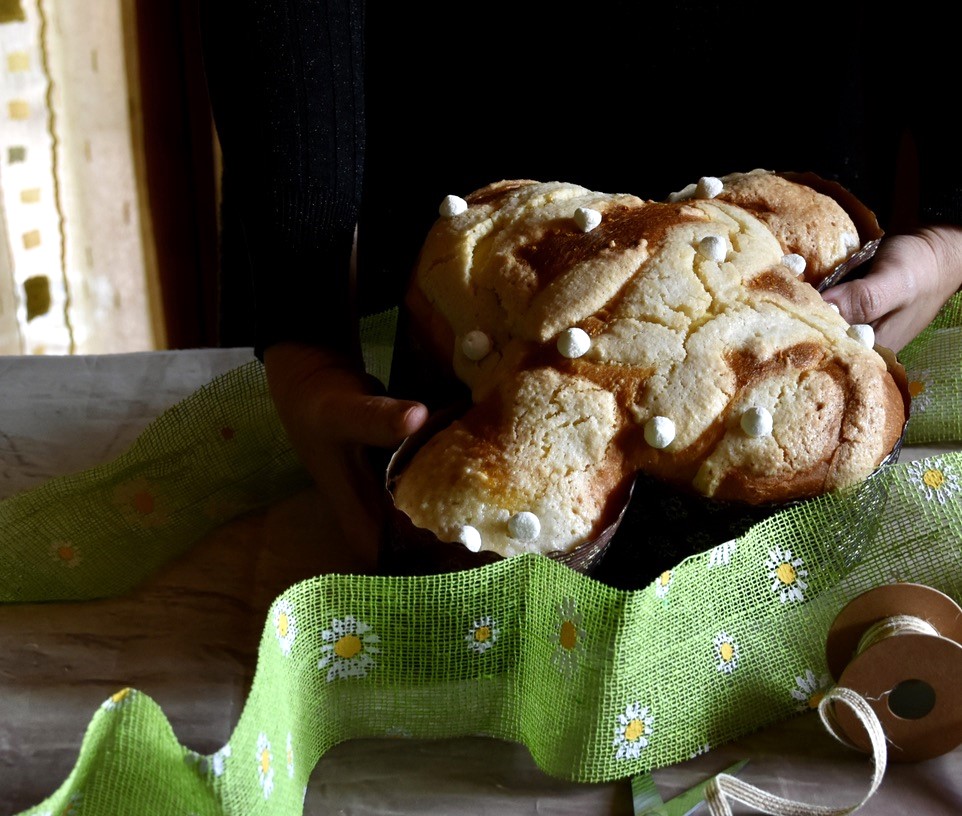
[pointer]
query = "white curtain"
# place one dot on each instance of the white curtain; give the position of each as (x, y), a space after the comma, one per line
(76, 262)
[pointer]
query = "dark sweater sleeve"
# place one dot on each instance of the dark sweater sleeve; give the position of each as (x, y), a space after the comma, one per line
(285, 79)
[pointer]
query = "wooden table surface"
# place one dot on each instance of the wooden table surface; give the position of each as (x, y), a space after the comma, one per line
(188, 638)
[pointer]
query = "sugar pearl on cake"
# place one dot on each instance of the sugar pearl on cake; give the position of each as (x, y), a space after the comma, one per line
(708, 187)
(524, 526)
(713, 247)
(587, 219)
(795, 263)
(573, 342)
(659, 432)
(476, 345)
(452, 205)
(864, 333)
(470, 537)
(757, 421)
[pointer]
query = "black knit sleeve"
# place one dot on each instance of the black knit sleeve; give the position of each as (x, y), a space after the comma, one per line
(285, 79)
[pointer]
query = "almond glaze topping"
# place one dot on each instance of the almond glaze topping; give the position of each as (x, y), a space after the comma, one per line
(771, 281)
(562, 246)
(495, 192)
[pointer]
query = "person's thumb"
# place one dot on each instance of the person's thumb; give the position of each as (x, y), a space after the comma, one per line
(886, 288)
(373, 420)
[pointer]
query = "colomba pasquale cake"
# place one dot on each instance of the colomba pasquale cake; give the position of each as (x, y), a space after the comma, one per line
(602, 336)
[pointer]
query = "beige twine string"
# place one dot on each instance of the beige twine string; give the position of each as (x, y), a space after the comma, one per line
(725, 787)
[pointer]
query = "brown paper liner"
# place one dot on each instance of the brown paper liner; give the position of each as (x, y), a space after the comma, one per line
(411, 550)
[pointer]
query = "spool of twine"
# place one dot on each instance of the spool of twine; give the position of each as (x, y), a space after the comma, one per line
(896, 655)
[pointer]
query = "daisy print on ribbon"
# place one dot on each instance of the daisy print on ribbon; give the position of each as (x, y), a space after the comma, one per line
(809, 689)
(265, 765)
(935, 478)
(726, 653)
(567, 637)
(721, 555)
(140, 502)
(285, 625)
(920, 390)
(633, 732)
(118, 699)
(787, 574)
(482, 634)
(218, 760)
(65, 553)
(290, 755)
(349, 646)
(663, 584)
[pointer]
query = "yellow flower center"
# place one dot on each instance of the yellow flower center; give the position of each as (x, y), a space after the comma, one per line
(727, 651)
(569, 635)
(933, 478)
(785, 573)
(143, 503)
(815, 699)
(119, 696)
(265, 761)
(282, 625)
(635, 729)
(665, 578)
(916, 387)
(347, 646)
(482, 633)
(65, 552)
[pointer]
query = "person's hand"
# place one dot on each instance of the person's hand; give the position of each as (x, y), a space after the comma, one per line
(912, 277)
(334, 414)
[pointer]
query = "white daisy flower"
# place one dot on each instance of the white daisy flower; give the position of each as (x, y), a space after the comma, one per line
(721, 555)
(787, 574)
(285, 625)
(726, 653)
(290, 755)
(920, 389)
(218, 760)
(65, 553)
(810, 689)
(482, 634)
(935, 477)
(348, 648)
(633, 732)
(663, 583)
(119, 699)
(265, 765)
(567, 637)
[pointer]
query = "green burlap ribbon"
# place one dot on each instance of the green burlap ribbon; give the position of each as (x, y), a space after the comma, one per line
(598, 683)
